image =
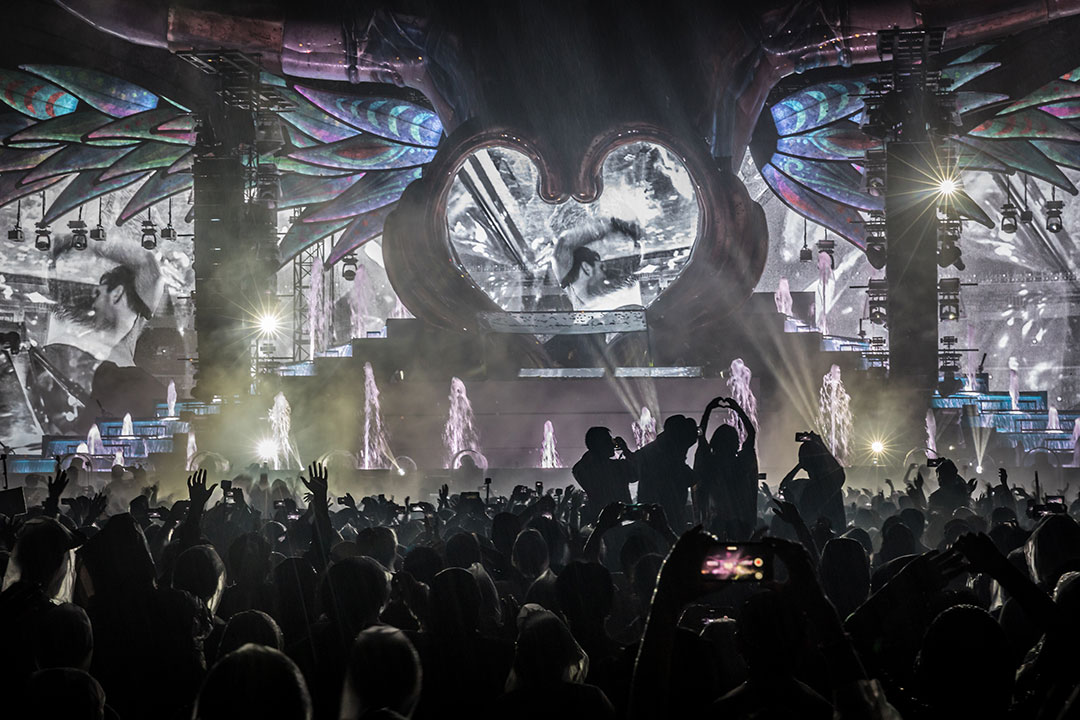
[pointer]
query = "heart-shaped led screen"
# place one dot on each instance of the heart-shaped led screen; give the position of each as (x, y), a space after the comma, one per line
(618, 252)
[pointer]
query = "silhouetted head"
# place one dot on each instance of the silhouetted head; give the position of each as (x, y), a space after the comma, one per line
(965, 668)
(585, 593)
(725, 441)
(250, 626)
(947, 473)
(845, 574)
(915, 521)
(66, 693)
(118, 559)
(249, 559)
(423, 563)
(62, 637)
(353, 593)
(681, 431)
(256, 682)
(896, 541)
(200, 571)
(504, 530)
(42, 556)
(530, 554)
(598, 440)
(455, 602)
(546, 653)
(383, 673)
(380, 543)
(462, 550)
(1053, 549)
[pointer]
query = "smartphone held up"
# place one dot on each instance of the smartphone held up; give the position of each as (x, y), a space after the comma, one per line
(738, 562)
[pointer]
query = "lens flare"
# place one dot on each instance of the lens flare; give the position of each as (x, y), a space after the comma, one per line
(266, 449)
(269, 324)
(947, 186)
(877, 447)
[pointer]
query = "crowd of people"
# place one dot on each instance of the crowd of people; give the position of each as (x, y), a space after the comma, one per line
(709, 594)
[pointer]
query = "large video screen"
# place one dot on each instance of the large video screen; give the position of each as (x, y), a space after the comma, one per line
(616, 253)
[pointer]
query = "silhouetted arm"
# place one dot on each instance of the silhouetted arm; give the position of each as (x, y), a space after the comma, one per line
(318, 486)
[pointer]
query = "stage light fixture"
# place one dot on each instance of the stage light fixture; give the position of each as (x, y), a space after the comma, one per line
(168, 233)
(1009, 215)
(266, 449)
(877, 293)
(269, 324)
(267, 186)
(949, 299)
(950, 382)
(949, 253)
(948, 186)
(828, 247)
(149, 234)
(348, 267)
(98, 233)
(15, 234)
(79, 234)
(805, 254)
(876, 253)
(877, 447)
(42, 236)
(1053, 216)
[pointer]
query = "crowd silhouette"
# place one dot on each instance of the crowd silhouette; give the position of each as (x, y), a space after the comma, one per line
(712, 595)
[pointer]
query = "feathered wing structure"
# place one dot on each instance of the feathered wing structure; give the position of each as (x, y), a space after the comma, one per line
(346, 161)
(810, 147)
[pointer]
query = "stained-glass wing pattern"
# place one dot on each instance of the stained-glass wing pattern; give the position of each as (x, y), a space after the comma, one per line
(346, 159)
(812, 152)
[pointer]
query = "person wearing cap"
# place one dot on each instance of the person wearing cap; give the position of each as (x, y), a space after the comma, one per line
(590, 282)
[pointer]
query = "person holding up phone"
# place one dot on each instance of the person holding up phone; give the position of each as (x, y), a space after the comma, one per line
(604, 472)
(820, 495)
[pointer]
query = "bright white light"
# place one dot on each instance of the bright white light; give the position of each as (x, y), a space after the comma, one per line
(401, 471)
(877, 447)
(978, 469)
(947, 186)
(266, 449)
(269, 324)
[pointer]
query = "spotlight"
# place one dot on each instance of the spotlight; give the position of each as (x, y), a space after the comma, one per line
(1009, 215)
(168, 233)
(15, 234)
(806, 254)
(978, 469)
(97, 233)
(1053, 216)
(877, 447)
(877, 301)
(1027, 216)
(78, 234)
(266, 449)
(149, 234)
(348, 267)
(42, 236)
(949, 298)
(875, 244)
(269, 324)
(949, 254)
(947, 186)
(828, 247)
(267, 186)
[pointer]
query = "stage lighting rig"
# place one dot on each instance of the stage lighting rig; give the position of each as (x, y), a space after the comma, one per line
(267, 186)
(1009, 216)
(98, 233)
(949, 299)
(348, 267)
(1053, 212)
(948, 252)
(149, 233)
(949, 355)
(15, 234)
(168, 232)
(828, 247)
(877, 294)
(42, 236)
(875, 241)
(805, 254)
(79, 233)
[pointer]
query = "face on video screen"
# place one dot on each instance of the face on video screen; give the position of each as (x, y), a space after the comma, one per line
(618, 252)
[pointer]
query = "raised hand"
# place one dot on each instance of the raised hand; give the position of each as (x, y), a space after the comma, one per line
(609, 517)
(679, 581)
(198, 493)
(57, 483)
(786, 511)
(318, 484)
(97, 506)
(348, 501)
(656, 518)
(1003, 477)
(980, 552)
(444, 496)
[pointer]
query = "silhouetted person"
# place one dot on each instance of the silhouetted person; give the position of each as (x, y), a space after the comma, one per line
(727, 474)
(664, 478)
(604, 472)
(820, 494)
